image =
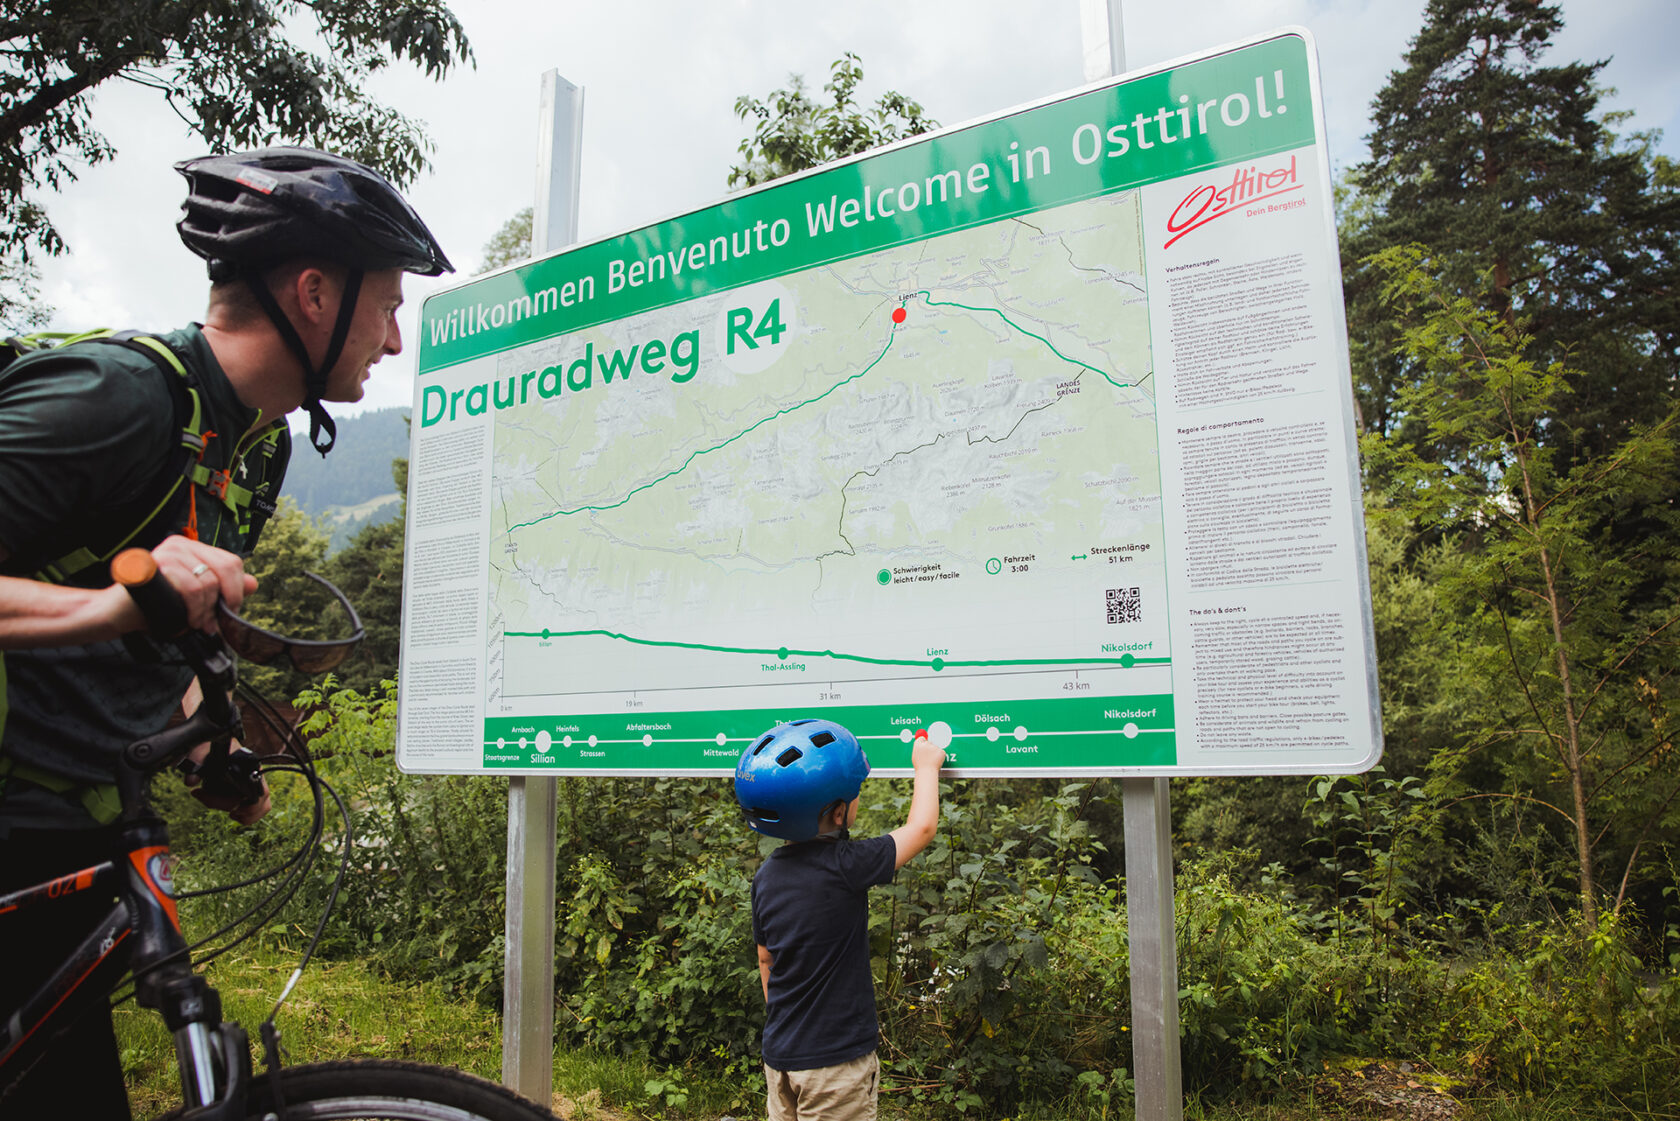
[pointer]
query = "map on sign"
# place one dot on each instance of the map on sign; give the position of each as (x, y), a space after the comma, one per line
(886, 444)
(1038, 428)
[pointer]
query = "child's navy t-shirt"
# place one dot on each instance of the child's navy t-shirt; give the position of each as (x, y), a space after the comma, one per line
(810, 909)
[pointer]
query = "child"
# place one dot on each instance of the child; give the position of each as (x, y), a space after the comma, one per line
(810, 911)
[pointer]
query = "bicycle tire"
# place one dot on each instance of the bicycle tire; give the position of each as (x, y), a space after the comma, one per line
(386, 1090)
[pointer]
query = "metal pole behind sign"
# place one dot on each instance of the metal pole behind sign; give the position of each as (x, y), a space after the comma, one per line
(528, 1000)
(1145, 801)
(528, 989)
(1104, 37)
(1154, 949)
(554, 218)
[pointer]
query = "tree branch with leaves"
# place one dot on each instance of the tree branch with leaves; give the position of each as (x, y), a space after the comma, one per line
(792, 132)
(240, 73)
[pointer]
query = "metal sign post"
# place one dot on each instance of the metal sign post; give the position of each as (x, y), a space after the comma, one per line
(1154, 950)
(1104, 36)
(1146, 802)
(528, 1001)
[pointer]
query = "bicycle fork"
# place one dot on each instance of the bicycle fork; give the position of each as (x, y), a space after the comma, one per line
(214, 1057)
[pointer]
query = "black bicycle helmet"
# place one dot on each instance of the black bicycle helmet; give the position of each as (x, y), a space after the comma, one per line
(248, 211)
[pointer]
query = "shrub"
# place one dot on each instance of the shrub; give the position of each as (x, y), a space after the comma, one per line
(1000, 955)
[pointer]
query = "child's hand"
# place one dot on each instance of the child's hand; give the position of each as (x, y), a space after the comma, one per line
(924, 754)
(927, 755)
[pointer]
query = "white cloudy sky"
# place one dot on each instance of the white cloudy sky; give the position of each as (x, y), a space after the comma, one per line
(661, 78)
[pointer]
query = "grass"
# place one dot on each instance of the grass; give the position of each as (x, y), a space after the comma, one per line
(339, 1011)
(345, 1010)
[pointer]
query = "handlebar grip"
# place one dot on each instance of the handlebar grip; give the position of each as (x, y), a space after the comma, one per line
(153, 594)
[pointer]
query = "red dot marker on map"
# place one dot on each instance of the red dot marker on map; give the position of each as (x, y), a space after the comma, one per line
(898, 315)
(938, 734)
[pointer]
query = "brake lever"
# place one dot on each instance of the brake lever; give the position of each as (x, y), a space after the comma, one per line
(227, 772)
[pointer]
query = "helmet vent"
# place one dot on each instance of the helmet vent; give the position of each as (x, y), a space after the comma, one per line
(790, 756)
(822, 739)
(797, 723)
(762, 744)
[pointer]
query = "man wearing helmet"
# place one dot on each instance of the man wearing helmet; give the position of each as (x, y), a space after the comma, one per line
(800, 782)
(306, 252)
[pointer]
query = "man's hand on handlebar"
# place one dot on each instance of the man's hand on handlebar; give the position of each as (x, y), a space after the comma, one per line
(34, 613)
(217, 795)
(202, 574)
(219, 791)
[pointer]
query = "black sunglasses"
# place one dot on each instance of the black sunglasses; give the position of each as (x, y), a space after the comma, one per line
(260, 646)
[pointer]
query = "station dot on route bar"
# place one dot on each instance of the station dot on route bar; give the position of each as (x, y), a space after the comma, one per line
(939, 733)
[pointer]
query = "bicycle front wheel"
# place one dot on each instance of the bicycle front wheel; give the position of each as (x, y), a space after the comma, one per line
(384, 1090)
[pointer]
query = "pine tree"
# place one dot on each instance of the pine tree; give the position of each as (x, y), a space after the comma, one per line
(1563, 633)
(1508, 171)
(286, 600)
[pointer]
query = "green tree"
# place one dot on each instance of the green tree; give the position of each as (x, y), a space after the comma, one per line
(509, 244)
(1506, 167)
(286, 600)
(370, 572)
(1567, 623)
(793, 132)
(240, 73)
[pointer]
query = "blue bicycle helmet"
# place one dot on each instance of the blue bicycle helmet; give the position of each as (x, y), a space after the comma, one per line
(787, 777)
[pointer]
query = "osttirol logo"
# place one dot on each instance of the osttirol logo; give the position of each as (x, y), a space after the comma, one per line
(1242, 105)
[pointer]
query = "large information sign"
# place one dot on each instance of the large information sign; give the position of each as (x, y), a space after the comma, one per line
(1039, 426)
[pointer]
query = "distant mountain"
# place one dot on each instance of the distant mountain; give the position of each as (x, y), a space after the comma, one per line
(359, 468)
(344, 522)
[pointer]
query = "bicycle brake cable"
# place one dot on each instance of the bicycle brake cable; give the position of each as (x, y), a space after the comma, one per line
(327, 908)
(293, 871)
(294, 750)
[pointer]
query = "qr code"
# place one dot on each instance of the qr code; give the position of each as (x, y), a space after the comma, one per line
(1125, 605)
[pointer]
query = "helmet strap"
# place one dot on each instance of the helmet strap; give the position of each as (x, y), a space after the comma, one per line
(839, 832)
(314, 378)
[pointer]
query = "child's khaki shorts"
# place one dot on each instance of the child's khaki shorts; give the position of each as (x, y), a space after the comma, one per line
(846, 1092)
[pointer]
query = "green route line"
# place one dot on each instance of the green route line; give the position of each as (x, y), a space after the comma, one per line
(706, 451)
(931, 302)
(936, 664)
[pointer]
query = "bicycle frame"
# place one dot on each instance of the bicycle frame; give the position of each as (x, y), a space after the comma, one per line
(141, 934)
(73, 987)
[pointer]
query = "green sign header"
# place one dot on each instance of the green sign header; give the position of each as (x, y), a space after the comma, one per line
(1244, 104)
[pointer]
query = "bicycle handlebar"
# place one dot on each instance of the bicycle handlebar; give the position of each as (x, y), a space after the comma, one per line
(223, 772)
(159, 603)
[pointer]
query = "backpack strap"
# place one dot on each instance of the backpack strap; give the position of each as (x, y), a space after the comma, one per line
(189, 419)
(102, 801)
(262, 504)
